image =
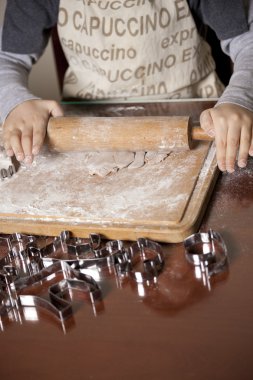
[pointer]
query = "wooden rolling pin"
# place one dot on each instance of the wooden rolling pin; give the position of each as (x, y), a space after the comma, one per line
(142, 133)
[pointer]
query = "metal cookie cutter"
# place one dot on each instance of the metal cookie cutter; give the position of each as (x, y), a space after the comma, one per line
(7, 173)
(8, 275)
(57, 303)
(146, 251)
(152, 258)
(80, 253)
(208, 253)
(7, 167)
(19, 254)
(22, 267)
(78, 247)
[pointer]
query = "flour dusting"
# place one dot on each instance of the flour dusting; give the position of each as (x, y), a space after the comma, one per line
(58, 186)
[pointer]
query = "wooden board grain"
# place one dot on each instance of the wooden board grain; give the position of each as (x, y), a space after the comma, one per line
(163, 202)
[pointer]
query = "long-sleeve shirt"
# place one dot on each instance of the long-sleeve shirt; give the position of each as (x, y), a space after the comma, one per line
(17, 55)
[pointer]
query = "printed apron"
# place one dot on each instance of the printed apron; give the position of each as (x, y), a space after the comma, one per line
(134, 48)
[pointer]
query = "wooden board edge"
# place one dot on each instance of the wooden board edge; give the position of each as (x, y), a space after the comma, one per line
(164, 234)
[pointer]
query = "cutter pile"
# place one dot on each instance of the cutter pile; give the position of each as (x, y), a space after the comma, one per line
(29, 261)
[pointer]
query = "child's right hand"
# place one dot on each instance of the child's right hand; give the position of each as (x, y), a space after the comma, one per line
(25, 127)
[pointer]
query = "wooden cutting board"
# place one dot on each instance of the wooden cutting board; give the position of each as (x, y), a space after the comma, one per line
(163, 202)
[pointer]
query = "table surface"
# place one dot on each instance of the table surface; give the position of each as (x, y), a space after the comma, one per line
(178, 329)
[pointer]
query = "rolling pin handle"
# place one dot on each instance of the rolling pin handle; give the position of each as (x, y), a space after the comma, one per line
(197, 133)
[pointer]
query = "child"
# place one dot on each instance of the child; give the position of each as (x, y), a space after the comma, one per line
(118, 49)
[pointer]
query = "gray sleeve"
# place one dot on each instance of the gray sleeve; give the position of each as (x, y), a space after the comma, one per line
(240, 49)
(14, 72)
(28, 24)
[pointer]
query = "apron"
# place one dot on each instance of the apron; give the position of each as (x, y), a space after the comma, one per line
(121, 49)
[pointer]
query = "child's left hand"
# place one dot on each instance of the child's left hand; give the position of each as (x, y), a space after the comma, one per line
(231, 125)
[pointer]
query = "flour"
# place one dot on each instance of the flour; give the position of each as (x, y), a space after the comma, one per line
(4, 160)
(209, 161)
(60, 186)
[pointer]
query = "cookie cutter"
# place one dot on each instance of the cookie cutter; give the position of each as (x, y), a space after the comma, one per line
(30, 262)
(79, 246)
(80, 253)
(19, 255)
(83, 253)
(71, 245)
(8, 274)
(207, 251)
(7, 166)
(146, 251)
(23, 266)
(57, 302)
(72, 280)
(7, 173)
(152, 258)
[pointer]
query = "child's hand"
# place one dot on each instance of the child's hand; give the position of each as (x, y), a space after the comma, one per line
(231, 125)
(24, 129)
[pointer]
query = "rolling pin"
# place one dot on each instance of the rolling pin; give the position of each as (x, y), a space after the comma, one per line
(142, 133)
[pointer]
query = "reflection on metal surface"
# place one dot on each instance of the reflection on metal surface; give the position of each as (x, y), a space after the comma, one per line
(59, 300)
(58, 266)
(146, 252)
(46, 273)
(208, 253)
(30, 314)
